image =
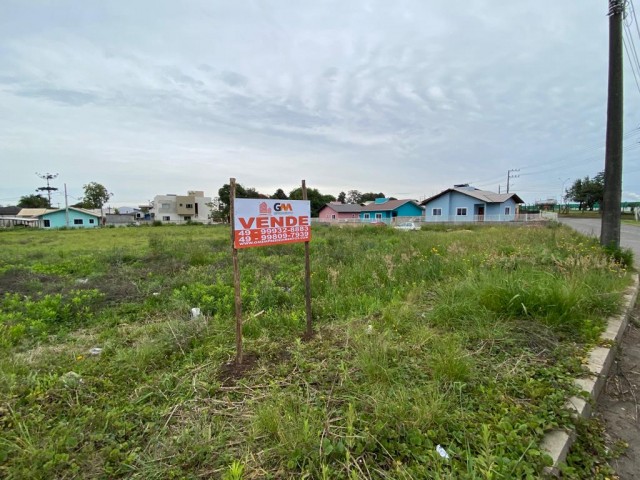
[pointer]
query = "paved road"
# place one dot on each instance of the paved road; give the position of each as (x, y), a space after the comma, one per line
(618, 405)
(629, 234)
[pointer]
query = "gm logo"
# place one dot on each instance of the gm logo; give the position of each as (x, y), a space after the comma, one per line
(282, 207)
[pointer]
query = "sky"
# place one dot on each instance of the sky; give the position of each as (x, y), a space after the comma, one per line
(407, 98)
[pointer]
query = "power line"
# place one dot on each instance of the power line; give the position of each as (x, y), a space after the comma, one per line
(635, 67)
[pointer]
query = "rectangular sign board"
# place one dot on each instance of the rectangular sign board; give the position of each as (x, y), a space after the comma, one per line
(259, 222)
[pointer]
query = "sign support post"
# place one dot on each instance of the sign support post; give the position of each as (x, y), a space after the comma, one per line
(307, 274)
(236, 272)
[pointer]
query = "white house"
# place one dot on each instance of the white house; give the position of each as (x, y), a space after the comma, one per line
(192, 207)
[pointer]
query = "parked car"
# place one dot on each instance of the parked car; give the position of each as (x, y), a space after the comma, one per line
(407, 226)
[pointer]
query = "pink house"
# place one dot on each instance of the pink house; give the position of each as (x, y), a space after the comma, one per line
(335, 212)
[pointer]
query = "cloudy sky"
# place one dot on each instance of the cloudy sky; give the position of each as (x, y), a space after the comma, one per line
(406, 97)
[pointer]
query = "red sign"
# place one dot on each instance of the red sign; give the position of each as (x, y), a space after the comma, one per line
(260, 222)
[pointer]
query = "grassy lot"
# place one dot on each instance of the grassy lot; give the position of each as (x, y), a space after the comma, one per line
(467, 339)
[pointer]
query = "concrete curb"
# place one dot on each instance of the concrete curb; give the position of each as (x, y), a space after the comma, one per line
(558, 442)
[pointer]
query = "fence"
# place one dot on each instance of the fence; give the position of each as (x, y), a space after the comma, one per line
(452, 219)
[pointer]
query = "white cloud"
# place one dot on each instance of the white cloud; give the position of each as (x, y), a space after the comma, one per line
(408, 97)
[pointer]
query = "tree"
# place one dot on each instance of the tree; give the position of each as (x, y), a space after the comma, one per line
(370, 196)
(34, 201)
(587, 191)
(225, 197)
(95, 195)
(317, 199)
(279, 195)
(342, 197)
(356, 197)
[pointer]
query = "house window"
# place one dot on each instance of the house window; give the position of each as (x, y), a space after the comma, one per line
(189, 205)
(78, 221)
(91, 220)
(436, 212)
(333, 217)
(47, 223)
(187, 218)
(507, 210)
(366, 216)
(461, 211)
(166, 218)
(378, 216)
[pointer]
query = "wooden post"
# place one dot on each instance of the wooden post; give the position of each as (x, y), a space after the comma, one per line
(236, 272)
(307, 273)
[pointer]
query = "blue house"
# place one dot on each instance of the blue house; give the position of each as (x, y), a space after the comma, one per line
(463, 203)
(56, 218)
(386, 210)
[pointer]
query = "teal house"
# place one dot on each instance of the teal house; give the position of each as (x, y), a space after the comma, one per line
(57, 218)
(387, 211)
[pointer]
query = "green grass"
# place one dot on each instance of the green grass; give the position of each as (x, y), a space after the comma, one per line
(468, 339)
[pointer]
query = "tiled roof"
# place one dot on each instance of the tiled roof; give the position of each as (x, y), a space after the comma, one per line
(38, 212)
(482, 195)
(344, 207)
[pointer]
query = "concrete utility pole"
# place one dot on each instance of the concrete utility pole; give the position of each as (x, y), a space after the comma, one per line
(610, 233)
(509, 176)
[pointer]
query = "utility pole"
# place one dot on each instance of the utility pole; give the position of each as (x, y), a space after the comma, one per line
(509, 176)
(66, 207)
(48, 188)
(562, 192)
(610, 232)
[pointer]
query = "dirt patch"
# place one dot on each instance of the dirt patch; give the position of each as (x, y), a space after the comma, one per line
(230, 372)
(618, 405)
(115, 287)
(25, 282)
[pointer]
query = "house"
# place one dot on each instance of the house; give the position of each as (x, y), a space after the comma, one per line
(71, 217)
(464, 203)
(192, 207)
(336, 212)
(9, 218)
(387, 210)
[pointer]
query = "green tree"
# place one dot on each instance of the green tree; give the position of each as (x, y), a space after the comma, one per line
(241, 192)
(317, 199)
(280, 195)
(354, 197)
(33, 201)
(587, 191)
(370, 196)
(95, 195)
(342, 197)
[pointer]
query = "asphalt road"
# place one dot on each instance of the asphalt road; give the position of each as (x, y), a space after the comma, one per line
(629, 234)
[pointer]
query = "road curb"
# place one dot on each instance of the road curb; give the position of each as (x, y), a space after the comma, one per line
(558, 442)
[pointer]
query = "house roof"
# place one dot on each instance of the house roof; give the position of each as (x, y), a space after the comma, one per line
(9, 210)
(344, 207)
(388, 205)
(38, 212)
(482, 195)
(35, 212)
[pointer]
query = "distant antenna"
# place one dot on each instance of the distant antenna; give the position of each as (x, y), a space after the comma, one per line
(48, 177)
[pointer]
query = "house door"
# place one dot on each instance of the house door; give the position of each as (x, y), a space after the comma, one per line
(481, 213)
